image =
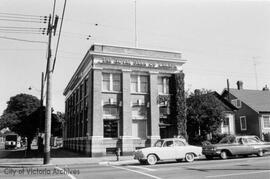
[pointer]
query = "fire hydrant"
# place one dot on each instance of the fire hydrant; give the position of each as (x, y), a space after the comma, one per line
(117, 153)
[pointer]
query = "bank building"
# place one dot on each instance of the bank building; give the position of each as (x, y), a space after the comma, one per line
(120, 97)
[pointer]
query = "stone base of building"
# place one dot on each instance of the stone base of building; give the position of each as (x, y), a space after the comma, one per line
(99, 146)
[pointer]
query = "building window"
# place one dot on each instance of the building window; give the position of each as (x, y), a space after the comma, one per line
(139, 84)
(110, 128)
(243, 123)
(164, 111)
(106, 82)
(163, 85)
(226, 121)
(111, 82)
(139, 128)
(85, 87)
(266, 121)
(116, 82)
(143, 84)
(237, 103)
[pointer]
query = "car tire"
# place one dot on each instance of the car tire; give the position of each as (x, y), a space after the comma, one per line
(260, 153)
(151, 159)
(142, 162)
(209, 157)
(224, 155)
(189, 157)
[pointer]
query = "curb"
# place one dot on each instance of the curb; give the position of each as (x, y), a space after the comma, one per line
(124, 162)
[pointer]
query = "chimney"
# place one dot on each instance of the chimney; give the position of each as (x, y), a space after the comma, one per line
(239, 85)
(265, 88)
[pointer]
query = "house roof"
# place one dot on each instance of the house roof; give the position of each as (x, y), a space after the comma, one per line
(224, 101)
(256, 99)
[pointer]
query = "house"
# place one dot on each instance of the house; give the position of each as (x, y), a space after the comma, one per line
(253, 114)
(228, 125)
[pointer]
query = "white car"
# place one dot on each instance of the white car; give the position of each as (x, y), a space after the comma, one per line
(167, 149)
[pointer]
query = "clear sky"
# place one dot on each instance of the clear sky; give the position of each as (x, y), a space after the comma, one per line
(220, 40)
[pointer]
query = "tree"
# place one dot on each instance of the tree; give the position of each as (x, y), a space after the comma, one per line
(16, 115)
(24, 116)
(204, 114)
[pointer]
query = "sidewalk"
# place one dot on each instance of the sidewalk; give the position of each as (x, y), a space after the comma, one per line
(58, 157)
(67, 161)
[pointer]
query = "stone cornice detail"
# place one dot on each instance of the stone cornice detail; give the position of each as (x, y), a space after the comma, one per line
(138, 62)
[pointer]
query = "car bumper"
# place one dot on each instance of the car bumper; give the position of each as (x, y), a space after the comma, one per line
(211, 152)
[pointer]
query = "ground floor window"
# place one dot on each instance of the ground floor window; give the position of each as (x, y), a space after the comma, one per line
(266, 121)
(243, 123)
(110, 128)
(139, 128)
(226, 121)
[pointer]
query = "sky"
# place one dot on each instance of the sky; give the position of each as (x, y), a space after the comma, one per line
(221, 39)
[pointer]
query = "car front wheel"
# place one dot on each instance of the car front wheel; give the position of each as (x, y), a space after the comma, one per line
(151, 159)
(223, 155)
(189, 157)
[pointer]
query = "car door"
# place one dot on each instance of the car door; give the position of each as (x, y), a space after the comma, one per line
(245, 147)
(180, 149)
(240, 146)
(255, 145)
(167, 151)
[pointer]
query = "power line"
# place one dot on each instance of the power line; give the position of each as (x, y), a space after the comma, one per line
(15, 14)
(58, 40)
(19, 27)
(23, 40)
(14, 20)
(30, 18)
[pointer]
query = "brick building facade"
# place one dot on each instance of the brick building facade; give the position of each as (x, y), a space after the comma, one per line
(112, 99)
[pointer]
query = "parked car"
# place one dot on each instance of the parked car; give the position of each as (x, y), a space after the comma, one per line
(166, 149)
(236, 145)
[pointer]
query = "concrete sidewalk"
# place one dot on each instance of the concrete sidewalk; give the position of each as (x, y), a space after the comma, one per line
(108, 160)
(17, 158)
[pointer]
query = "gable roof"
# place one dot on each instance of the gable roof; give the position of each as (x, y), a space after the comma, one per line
(256, 99)
(226, 103)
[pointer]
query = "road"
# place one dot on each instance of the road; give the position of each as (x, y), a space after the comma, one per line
(248, 168)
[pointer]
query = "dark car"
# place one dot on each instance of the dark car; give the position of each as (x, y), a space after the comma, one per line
(236, 145)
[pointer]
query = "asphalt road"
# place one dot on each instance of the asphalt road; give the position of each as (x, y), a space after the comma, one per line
(248, 168)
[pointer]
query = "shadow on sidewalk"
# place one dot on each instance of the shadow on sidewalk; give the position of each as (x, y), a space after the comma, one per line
(55, 153)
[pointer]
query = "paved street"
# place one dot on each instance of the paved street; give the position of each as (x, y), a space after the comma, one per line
(252, 167)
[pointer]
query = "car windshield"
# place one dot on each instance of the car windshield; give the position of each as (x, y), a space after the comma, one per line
(158, 143)
(227, 140)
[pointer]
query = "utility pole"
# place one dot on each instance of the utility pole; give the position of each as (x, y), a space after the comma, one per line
(40, 111)
(42, 86)
(48, 110)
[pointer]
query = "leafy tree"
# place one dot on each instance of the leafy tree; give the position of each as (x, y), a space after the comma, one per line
(24, 116)
(16, 115)
(204, 114)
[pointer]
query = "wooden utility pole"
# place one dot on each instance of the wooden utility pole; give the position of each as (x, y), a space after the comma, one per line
(48, 109)
(41, 92)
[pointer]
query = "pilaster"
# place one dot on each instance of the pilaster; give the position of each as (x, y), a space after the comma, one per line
(126, 122)
(153, 133)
